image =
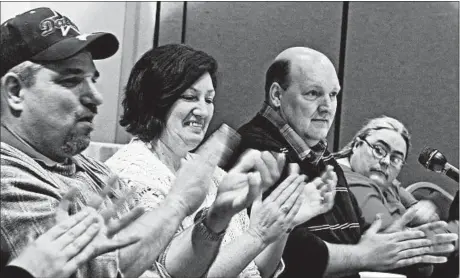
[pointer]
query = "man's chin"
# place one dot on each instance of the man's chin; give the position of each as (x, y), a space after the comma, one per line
(379, 180)
(76, 145)
(313, 139)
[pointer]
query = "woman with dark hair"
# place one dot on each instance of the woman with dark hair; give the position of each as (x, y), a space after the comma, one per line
(167, 107)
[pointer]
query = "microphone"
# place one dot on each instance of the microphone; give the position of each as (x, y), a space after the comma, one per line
(434, 160)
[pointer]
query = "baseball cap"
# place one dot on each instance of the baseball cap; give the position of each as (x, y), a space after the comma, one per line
(44, 35)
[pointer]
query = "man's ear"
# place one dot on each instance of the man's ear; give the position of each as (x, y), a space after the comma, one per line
(275, 94)
(358, 142)
(12, 91)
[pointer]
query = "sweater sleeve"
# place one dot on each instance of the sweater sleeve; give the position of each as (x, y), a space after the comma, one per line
(304, 253)
(371, 204)
(359, 213)
(407, 199)
(28, 205)
(15, 272)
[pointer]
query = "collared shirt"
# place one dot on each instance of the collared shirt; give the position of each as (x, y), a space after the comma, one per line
(31, 188)
(11, 138)
(267, 131)
(313, 154)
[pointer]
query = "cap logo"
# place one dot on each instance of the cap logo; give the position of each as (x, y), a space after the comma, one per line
(57, 22)
(82, 37)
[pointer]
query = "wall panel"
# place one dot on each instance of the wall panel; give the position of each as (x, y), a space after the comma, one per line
(402, 60)
(171, 22)
(245, 36)
(139, 28)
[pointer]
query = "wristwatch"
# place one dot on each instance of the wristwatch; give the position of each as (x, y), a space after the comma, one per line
(203, 230)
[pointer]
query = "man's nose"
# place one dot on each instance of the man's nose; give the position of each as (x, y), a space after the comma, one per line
(326, 103)
(92, 96)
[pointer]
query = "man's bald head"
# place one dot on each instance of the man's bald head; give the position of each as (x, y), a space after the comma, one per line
(302, 85)
(293, 61)
(294, 53)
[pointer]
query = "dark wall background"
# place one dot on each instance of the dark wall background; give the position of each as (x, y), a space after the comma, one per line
(244, 37)
(400, 59)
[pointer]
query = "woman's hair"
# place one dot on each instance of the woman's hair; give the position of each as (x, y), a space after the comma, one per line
(382, 122)
(156, 81)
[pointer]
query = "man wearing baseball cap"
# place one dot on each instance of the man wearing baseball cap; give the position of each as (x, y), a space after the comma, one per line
(48, 103)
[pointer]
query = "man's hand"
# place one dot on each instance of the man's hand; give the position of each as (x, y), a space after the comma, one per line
(59, 251)
(274, 216)
(394, 250)
(442, 243)
(401, 223)
(105, 241)
(78, 238)
(268, 164)
(426, 212)
(319, 196)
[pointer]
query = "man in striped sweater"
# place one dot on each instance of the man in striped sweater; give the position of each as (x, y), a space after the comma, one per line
(300, 103)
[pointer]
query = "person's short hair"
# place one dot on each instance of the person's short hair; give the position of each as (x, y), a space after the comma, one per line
(277, 72)
(157, 81)
(26, 72)
(382, 122)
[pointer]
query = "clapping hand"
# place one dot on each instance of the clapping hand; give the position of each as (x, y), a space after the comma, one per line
(385, 251)
(319, 196)
(192, 182)
(440, 243)
(426, 212)
(105, 241)
(274, 216)
(254, 172)
(62, 249)
(74, 239)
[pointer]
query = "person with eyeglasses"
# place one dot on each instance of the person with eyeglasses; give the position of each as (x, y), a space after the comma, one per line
(301, 88)
(371, 162)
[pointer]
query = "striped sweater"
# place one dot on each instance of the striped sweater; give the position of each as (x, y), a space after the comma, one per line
(306, 254)
(30, 193)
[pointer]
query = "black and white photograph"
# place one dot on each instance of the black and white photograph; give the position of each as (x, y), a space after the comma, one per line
(229, 139)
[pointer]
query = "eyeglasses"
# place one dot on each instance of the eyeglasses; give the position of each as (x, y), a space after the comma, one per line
(379, 152)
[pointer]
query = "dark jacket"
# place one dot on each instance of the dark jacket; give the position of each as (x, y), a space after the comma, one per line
(306, 254)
